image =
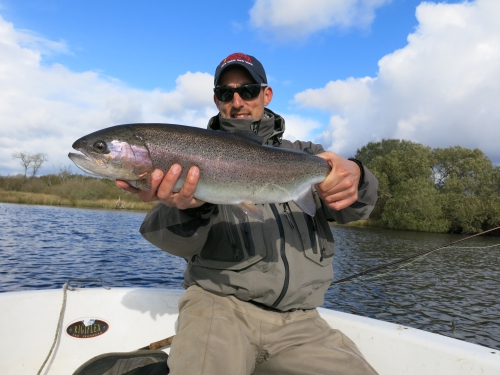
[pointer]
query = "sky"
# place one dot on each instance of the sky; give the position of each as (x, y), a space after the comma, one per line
(344, 72)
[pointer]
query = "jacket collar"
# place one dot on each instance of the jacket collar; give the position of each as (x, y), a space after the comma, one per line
(270, 127)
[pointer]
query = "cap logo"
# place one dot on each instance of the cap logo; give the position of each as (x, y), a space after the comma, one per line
(240, 57)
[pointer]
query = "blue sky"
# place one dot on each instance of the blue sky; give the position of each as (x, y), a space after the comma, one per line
(344, 72)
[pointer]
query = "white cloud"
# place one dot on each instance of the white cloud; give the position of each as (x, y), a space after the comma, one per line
(296, 19)
(46, 108)
(442, 89)
(299, 128)
(337, 95)
(337, 131)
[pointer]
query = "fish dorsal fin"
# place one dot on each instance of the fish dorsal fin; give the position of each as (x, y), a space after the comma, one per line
(249, 136)
(306, 202)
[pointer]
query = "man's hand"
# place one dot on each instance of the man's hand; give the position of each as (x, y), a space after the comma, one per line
(340, 188)
(162, 188)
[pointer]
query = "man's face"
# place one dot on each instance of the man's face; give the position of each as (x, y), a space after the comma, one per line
(239, 108)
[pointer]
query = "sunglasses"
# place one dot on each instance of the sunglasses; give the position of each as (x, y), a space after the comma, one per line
(246, 92)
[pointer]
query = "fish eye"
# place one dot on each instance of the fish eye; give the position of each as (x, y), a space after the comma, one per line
(101, 147)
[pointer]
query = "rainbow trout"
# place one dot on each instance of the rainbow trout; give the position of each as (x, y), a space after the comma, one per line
(235, 168)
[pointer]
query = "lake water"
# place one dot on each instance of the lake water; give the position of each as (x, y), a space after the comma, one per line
(454, 291)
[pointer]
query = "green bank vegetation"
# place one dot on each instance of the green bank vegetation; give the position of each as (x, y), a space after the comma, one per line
(446, 190)
(66, 189)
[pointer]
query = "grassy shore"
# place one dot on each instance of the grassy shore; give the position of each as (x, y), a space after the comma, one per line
(69, 191)
(54, 200)
(364, 223)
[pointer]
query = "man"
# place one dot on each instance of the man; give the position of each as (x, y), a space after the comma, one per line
(253, 287)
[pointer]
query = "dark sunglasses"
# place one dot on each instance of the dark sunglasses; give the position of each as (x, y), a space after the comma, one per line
(246, 92)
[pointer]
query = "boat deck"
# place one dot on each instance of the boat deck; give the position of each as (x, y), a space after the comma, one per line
(125, 319)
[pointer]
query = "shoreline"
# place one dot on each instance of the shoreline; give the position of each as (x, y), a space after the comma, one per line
(17, 197)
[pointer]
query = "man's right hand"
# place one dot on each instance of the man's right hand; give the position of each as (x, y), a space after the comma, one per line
(162, 188)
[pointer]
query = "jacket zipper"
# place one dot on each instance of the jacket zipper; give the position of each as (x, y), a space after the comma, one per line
(293, 223)
(285, 205)
(283, 256)
(322, 239)
(321, 236)
(313, 236)
(228, 222)
(245, 227)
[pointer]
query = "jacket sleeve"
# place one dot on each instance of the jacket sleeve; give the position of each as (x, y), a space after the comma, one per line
(367, 192)
(179, 232)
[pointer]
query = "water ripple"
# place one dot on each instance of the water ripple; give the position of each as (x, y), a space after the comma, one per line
(453, 292)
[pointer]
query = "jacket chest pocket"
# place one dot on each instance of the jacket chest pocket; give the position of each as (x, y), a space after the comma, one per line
(321, 250)
(232, 243)
(316, 239)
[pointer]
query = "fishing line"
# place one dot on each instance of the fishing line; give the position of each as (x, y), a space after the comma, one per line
(413, 259)
(408, 263)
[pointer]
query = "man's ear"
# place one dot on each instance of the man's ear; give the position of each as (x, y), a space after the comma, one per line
(268, 95)
(216, 101)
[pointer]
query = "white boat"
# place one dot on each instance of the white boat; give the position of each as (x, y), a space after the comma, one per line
(126, 319)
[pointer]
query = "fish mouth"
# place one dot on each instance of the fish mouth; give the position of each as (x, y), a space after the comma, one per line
(79, 158)
(83, 162)
(76, 156)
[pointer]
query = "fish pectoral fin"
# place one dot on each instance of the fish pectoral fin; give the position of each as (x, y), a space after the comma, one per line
(239, 212)
(306, 202)
(243, 209)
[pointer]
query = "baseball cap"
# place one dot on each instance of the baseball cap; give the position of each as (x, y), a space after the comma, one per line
(250, 63)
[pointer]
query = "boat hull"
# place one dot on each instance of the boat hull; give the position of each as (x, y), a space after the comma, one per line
(125, 319)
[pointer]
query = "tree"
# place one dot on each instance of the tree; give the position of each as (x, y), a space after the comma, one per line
(467, 214)
(401, 165)
(367, 153)
(452, 189)
(469, 186)
(64, 172)
(493, 219)
(397, 162)
(472, 167)
(33, 161)
(25, 160)
(415, 205)
(38, 160)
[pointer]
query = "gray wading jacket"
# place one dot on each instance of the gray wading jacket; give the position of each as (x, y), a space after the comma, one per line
(284, 262)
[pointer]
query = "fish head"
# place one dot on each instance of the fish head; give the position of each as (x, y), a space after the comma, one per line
(114, 153)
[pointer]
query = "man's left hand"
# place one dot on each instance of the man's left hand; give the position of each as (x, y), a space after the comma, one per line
(340, 188)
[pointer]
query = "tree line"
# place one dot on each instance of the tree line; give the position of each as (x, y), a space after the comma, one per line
(446, 190)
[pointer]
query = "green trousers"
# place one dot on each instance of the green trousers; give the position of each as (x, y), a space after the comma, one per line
(219, 335)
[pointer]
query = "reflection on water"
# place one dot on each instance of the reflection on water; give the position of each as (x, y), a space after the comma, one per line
(453, 291)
